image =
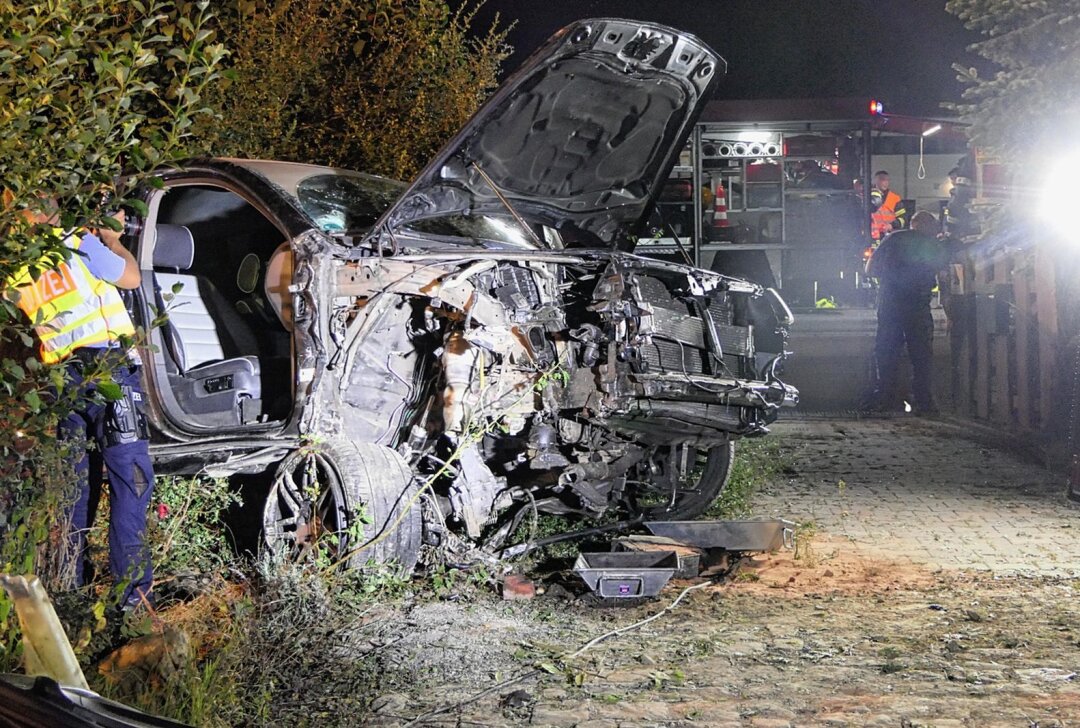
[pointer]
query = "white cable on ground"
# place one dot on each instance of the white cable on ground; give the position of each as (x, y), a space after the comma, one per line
(643, 622)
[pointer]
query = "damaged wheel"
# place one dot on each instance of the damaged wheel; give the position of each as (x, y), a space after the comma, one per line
(680, 482)
(355, 500)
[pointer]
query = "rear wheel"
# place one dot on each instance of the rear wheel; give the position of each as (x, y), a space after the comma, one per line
(680, 482)
(355, 501)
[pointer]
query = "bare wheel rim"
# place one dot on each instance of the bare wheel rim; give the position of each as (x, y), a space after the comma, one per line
(679, 481)
(307, 506)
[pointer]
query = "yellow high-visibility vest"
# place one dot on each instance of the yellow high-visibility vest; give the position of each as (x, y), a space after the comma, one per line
(68, 306)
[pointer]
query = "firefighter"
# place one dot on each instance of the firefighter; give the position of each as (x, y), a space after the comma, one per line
(906, 264)
(888, 209)
(958, 221)
(82, 323)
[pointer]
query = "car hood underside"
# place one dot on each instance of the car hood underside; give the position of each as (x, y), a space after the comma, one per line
(580, 139)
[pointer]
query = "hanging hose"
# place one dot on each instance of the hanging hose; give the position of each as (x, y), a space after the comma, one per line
(921, 174)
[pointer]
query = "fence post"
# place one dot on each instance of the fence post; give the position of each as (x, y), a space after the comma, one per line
(1047, 330)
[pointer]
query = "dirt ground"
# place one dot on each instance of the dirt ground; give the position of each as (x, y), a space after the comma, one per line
(847, 631)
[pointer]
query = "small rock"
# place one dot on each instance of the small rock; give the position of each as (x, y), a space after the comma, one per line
(516, 587)
(389, 704)
(517, 699)
(1046, 674)
(828, 573)
(974, 616)
(558, 591)
(647, 660)
(955, 674)
(148, 660)
(938, 607)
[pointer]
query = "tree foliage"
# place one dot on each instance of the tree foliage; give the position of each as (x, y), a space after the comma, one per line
(377, 85)
(1032, 95)
(88, 89)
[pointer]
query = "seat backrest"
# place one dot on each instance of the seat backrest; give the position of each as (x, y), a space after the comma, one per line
(196, 329)
(202, 325)
(174, 248)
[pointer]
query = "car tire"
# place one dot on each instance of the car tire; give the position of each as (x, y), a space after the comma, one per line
(688, 505)
(365, 504)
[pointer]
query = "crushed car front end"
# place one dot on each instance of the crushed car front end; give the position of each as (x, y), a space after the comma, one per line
(589, 382)
(493, 340)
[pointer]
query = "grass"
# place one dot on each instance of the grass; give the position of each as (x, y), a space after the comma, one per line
(756, 460)
(249, 640)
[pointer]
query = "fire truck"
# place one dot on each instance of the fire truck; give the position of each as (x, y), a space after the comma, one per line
(775, 191)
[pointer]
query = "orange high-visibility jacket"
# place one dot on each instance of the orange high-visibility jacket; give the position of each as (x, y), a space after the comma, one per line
(890, 215)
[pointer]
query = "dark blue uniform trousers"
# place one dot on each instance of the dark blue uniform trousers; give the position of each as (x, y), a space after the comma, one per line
(900, 325)
(131, 485)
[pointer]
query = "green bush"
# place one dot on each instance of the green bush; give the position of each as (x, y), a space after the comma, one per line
(377, 85)
(89, 88)
(186, 533)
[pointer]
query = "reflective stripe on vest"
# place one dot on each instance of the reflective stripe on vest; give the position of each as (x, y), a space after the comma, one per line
(69, 307)
(883, 218)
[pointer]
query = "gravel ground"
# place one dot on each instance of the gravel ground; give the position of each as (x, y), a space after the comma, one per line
(851, 631)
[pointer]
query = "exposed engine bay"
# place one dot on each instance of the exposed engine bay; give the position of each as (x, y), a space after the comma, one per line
(588, 384)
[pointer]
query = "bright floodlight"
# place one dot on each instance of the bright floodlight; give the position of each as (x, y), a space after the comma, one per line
(1057, 194)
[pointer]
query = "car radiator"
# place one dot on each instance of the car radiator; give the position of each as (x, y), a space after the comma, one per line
(679, 340)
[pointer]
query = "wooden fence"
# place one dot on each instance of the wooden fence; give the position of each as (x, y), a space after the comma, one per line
(1008, 363)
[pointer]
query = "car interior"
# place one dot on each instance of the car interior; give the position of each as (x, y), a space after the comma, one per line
(221, 276)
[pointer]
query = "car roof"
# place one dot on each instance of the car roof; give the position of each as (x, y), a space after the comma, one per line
(288, 175)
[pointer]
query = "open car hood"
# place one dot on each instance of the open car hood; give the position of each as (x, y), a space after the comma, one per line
(579, 139)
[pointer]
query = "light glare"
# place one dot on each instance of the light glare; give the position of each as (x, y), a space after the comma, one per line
(1058, 195)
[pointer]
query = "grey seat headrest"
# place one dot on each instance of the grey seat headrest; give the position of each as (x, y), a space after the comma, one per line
(175, 247)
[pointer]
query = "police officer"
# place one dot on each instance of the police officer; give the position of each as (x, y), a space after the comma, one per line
(906, 264)
(82, 322)
(888, 208)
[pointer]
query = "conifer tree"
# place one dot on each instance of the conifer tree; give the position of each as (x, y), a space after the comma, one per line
(1030, 98)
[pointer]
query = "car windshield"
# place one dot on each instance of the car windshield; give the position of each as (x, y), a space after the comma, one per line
(473, 229)
(339, 203)
(346, 203)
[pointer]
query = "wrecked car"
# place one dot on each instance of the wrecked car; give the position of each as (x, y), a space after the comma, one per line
(429, 365)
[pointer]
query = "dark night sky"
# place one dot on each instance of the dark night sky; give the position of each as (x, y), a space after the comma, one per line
(900, 52)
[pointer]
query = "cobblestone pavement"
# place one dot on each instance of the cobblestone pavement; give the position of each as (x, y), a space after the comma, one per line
(982, 631)
(928, 492)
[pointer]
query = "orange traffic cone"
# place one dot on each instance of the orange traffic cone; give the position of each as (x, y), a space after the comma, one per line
(720, 208)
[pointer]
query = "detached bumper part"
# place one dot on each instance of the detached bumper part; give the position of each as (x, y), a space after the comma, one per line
(623, 575)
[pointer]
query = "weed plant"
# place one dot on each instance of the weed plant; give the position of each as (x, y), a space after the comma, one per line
(756, 460)
(185, 532)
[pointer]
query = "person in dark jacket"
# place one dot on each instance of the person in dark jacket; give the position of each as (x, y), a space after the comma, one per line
(906, 265)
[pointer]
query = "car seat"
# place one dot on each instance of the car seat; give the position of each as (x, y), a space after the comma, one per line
(208, 347)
